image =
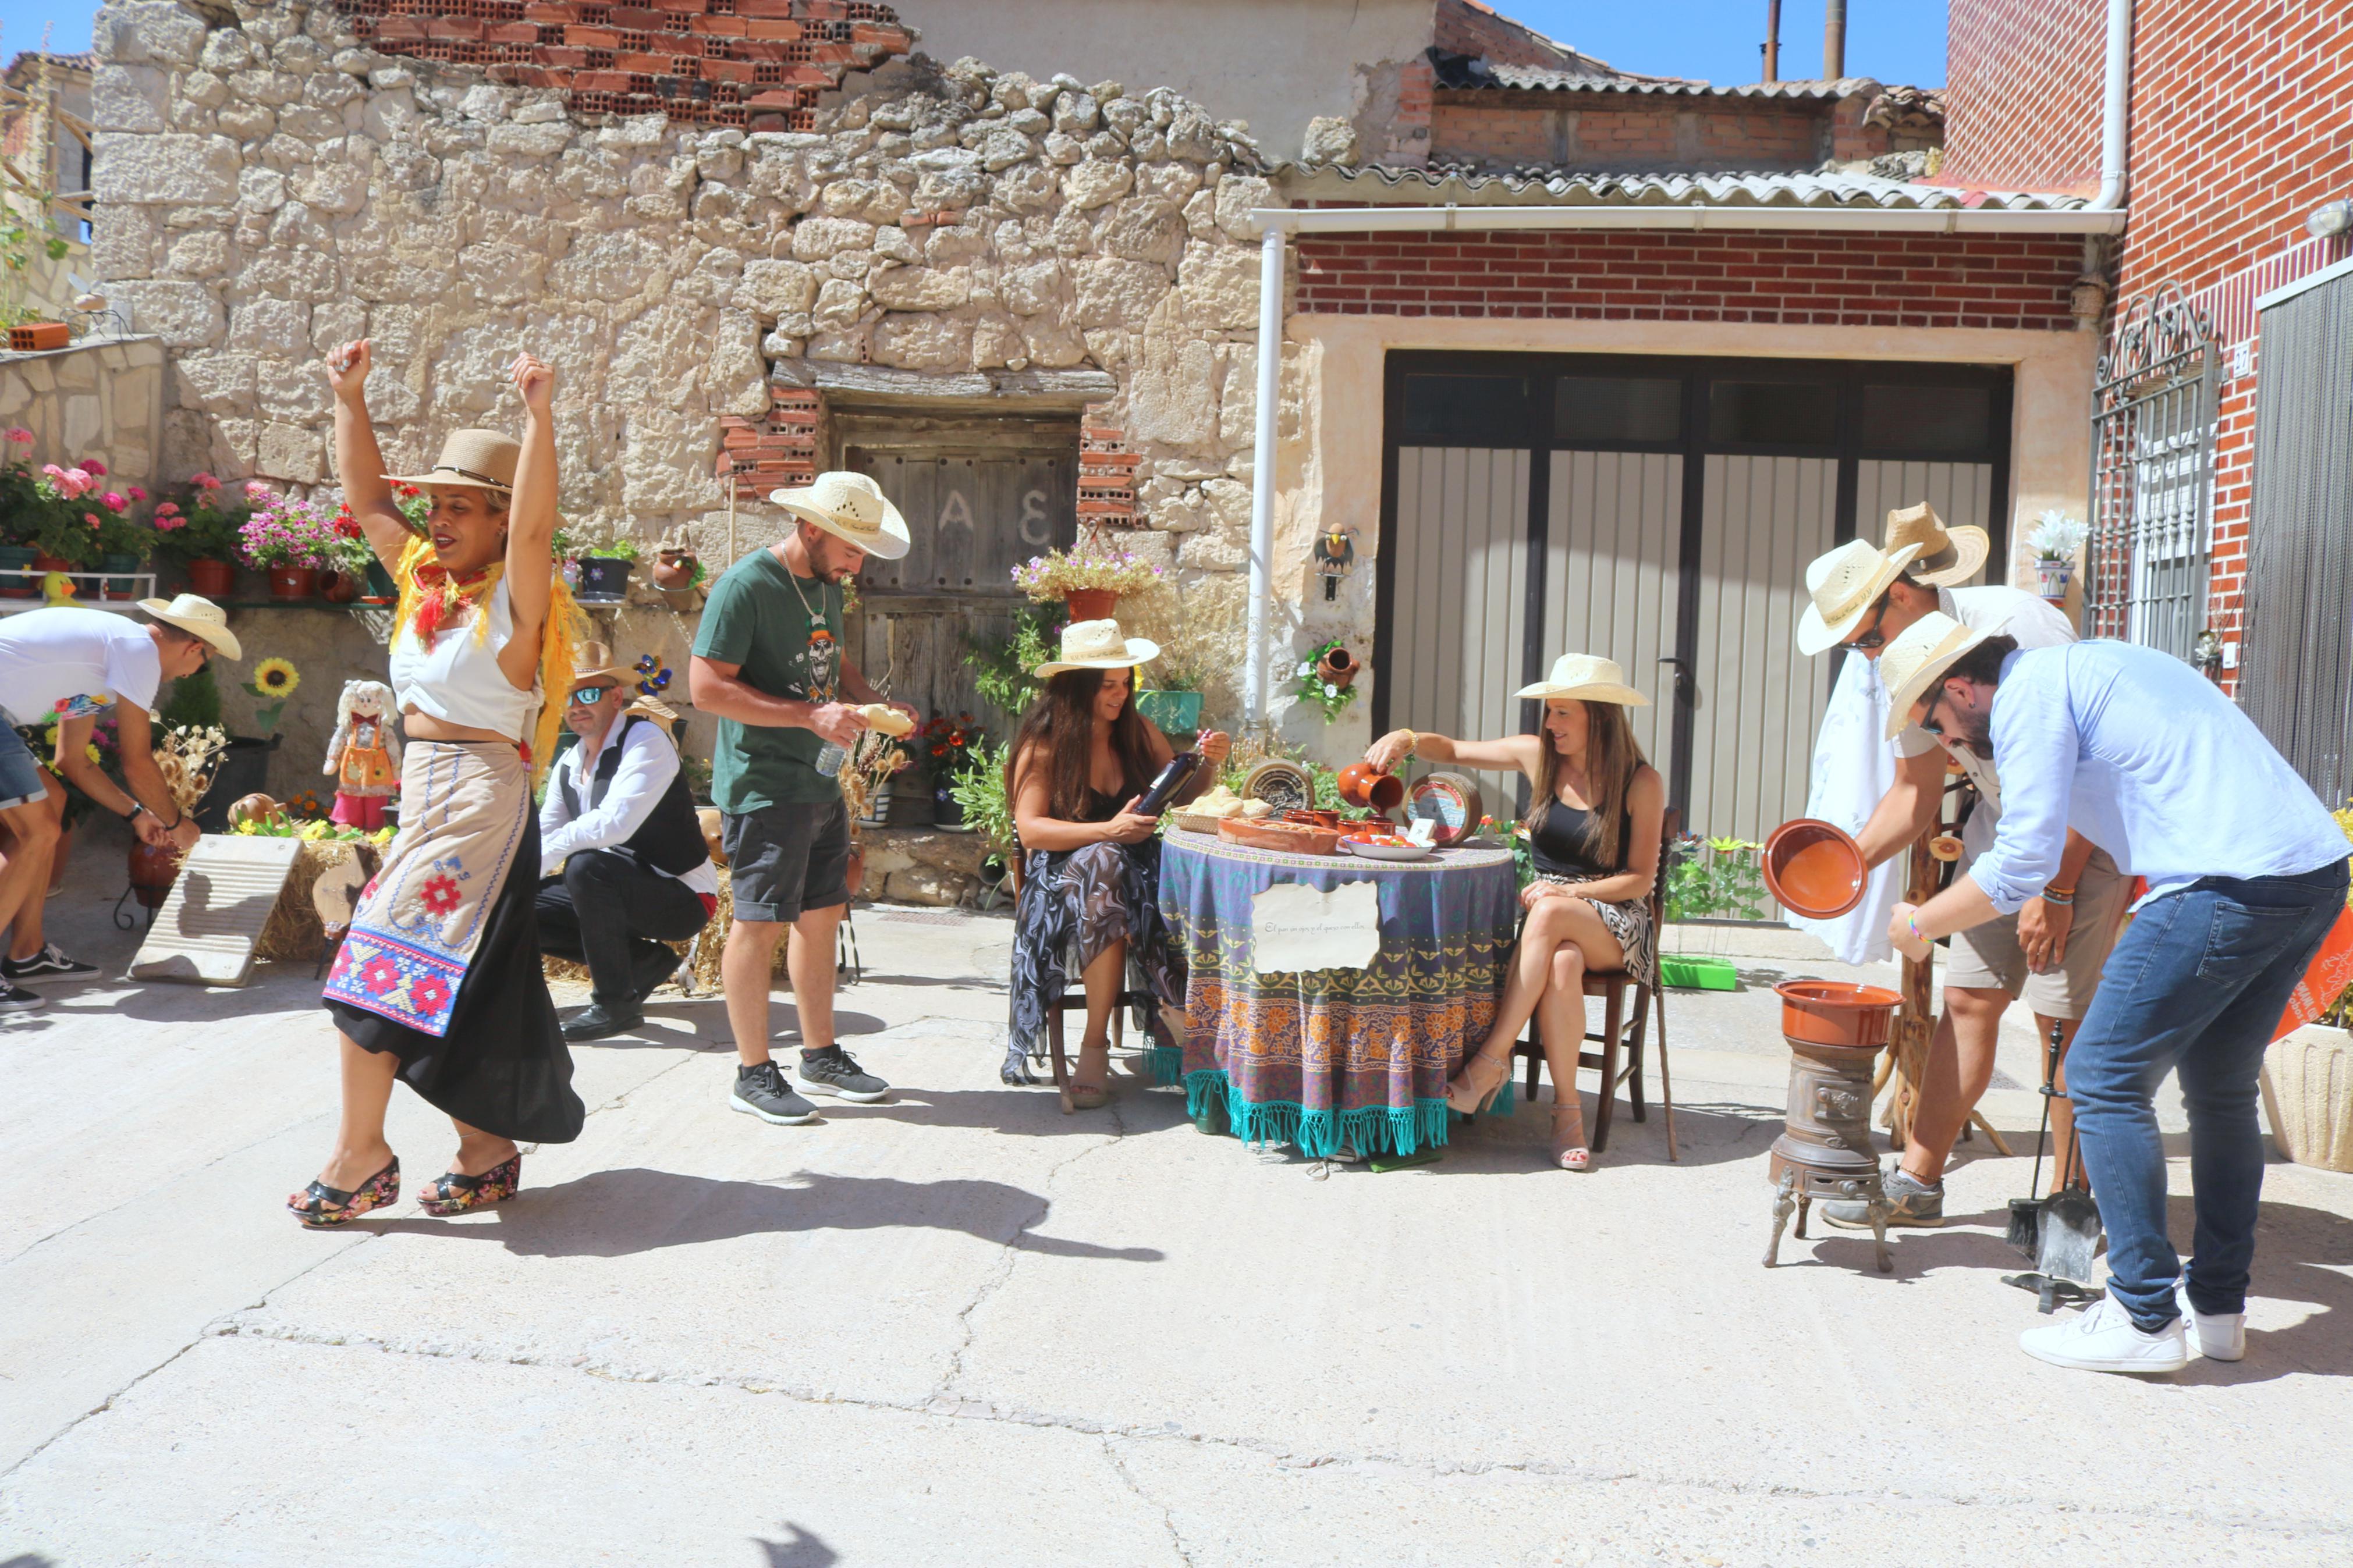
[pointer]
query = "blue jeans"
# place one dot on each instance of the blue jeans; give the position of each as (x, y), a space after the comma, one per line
(2195, 987)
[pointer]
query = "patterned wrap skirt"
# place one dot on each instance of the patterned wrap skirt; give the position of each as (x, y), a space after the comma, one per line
(1630, 923)
(1073, 905)
(442, 967)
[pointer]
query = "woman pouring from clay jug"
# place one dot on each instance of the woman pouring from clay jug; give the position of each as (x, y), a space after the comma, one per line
(438, 981)
(1594, 818)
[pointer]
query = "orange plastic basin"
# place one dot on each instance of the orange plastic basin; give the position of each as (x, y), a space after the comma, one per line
(1814, 868)
(1837, 1013)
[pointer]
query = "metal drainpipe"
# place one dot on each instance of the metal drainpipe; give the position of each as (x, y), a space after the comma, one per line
(1772, 41)
(2115, 113)
(1263, 463)
(1834, 40)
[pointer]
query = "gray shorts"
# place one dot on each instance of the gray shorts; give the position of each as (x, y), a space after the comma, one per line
(1989, 958)
(784, 860)
(21, 782)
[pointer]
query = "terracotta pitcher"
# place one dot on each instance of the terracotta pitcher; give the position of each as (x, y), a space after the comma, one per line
(1362, 788)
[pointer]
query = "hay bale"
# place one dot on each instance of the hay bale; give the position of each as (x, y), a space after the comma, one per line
(700, 956)
(293, 933)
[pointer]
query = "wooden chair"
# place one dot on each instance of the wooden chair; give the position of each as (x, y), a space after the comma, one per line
(1074, 995)
(1619, 1031)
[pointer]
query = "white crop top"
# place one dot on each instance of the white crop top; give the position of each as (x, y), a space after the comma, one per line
(459, 680)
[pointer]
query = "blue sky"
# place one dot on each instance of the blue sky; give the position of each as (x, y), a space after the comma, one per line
(1894, 40)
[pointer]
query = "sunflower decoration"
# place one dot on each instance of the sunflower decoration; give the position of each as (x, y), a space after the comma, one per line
(274, 681)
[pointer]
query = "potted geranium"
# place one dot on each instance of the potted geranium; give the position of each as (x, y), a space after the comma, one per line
(291, 539)
(21, 501)
(1090, 578)
(123, 542)
(204, 531)
(65, 525)
(2054, 537)
(947, 744)
(605, 570)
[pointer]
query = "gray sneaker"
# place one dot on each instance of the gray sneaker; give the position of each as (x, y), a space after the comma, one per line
(833, 1071)
(1909, 1202)
(762, 1091)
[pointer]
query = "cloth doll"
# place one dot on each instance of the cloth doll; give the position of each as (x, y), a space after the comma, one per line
(365, 755)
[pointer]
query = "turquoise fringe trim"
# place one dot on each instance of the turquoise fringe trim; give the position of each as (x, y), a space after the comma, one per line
(1506, 1097)
(1318, 1134)
(1166, 1063)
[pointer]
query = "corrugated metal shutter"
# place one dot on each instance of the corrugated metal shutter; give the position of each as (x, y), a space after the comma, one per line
(2296, 676)
(1759, 701)
(1612, 537)
(1961, 493)
(1460, 615)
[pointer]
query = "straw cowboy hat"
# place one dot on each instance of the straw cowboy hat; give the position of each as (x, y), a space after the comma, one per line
(199, 617)
(1589, 678)
(850, 506)
(1914, 661)
(482, 459)
(1844, 585)
(592, 665)
(1948, 556)
(1098, 645)
(653, 708)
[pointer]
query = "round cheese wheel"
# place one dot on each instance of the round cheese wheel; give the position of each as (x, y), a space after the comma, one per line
(1452, 801)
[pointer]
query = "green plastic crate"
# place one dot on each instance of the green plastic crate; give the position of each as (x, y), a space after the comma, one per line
(1699, 973)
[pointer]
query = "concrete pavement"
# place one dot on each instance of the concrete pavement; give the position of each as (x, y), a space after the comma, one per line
(959, 1327)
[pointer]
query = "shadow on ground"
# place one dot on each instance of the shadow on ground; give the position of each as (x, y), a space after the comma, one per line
(616, 1214)
(801, 1550)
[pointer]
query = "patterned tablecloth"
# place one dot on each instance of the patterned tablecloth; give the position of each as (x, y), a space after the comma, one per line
(1370, 1064)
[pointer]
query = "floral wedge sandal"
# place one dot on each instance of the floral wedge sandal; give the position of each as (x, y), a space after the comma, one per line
(321, 1207)
(450, 1192)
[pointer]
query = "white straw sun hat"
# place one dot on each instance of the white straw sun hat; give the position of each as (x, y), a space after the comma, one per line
(199, 617)
(1916, 660)
(852, 507)
(1844, 584)
(1589, 678)
(1098, 645)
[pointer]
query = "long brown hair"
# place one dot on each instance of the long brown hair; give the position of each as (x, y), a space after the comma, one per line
(1058, 728)
(1612, 758)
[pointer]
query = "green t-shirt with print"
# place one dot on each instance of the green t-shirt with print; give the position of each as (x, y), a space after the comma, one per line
(785, 631)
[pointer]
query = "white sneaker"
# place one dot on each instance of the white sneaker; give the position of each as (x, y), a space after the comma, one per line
(2104, 1338)
(2219, 1336)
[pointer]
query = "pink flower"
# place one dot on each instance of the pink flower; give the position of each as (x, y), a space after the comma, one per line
(167, 508)
(203, 481)
(255, 491)
(137, 494)
(93, 466)
(90, 518)
(165, 521)
(112, 502)
(20, 435)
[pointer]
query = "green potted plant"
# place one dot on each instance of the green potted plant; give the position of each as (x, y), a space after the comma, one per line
(981, 806)
(20, 501)
(947, 744)
(1711, 878)
(204, 529)
(64, 527)
(1002, 671)
(1090, 578)
(123, 542)
(1174, 701)
(1326, 676)
(292, 541)
(605, 570)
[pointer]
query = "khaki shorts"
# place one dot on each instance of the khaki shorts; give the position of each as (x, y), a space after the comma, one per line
(1987, 957)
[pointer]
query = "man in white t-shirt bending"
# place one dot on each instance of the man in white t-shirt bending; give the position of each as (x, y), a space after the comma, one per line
(77, 666)
(2052, 950)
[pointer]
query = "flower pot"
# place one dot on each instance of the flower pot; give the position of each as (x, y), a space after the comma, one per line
(16, 558)
(947, 810)
(2308, 1080)
(213, 579)
(1338, 667)
(2052, 577)
(293, 581)
(153, 871)
(605, 578)
(51, 563)
(340, 588)
(380, 587)
(1091, 603)
(674, 571)
(1177, 712)
(119, 587)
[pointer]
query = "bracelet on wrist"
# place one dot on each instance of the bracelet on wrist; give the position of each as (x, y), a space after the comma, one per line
(2053, 895)
(1912, 924)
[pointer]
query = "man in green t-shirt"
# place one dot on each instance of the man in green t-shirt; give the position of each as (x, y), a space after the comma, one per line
(768, 664)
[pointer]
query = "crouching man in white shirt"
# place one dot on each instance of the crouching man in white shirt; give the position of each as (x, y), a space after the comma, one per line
(633, 871)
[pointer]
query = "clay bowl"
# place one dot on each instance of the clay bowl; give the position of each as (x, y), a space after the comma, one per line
(1814, 868)
(1291, 838)
(1837, 1013)
(1312, 819)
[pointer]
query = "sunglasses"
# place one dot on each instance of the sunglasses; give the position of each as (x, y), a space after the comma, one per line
(1864, 642)
(589, 696)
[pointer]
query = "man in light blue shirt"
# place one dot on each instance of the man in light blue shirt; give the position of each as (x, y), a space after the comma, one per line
(2138, 753)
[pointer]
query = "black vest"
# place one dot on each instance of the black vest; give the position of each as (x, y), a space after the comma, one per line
(670, 840)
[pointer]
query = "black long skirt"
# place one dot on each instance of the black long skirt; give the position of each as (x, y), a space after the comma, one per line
(503, 1065)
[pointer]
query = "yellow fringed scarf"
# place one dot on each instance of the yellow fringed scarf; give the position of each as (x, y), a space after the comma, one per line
(438, 602)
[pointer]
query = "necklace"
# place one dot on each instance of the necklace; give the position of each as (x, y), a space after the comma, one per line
(816, 616)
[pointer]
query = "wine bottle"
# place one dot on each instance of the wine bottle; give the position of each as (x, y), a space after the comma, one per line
(1155, 800)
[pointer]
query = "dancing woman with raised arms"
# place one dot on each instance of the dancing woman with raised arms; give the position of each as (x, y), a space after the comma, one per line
(439, 982)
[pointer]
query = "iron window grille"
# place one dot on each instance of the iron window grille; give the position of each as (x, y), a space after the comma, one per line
(2152, 480)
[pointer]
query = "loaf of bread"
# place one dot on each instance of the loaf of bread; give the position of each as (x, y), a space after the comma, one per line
(887, 719)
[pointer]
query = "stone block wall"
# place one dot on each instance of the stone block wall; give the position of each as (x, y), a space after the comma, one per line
(101, 399)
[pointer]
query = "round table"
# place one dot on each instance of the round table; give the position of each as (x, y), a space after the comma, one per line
(1367, 1063)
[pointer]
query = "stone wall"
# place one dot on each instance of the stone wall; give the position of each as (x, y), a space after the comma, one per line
(101, 399)
(271, 187)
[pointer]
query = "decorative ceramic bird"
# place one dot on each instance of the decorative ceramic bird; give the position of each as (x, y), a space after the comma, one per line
(1335, 555)
(57, 588)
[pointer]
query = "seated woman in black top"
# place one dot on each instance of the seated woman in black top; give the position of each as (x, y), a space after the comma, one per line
(1078, 765)
(1593, 832)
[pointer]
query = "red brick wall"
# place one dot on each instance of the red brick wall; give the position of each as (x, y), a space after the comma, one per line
(1628, 131)
(759, 64)
(1881, 280)
(1468, 27)
(2022, 94)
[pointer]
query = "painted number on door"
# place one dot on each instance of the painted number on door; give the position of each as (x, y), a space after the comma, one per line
(1037, 528)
